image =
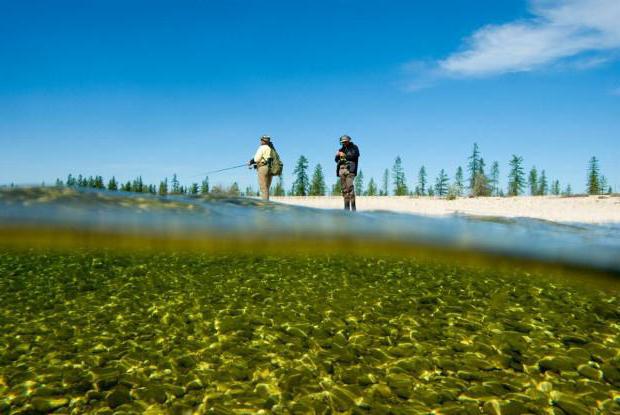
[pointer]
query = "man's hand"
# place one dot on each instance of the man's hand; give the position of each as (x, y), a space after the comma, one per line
(251, 162)
(340, 154)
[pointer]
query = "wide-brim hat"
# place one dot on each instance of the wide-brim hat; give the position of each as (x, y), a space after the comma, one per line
(265, 138)
(345, 138)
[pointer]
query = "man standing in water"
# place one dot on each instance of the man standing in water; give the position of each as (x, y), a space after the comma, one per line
(262, 160)
(346, 169)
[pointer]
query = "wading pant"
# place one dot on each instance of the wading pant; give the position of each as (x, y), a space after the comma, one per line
(347, 180)
(264, 181)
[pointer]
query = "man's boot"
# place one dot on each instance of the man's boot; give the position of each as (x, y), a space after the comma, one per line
(347, 205)
(353, 208)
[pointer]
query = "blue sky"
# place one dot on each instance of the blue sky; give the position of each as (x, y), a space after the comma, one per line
(153, 88)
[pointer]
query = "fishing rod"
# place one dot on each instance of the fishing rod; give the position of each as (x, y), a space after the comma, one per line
(221, 170)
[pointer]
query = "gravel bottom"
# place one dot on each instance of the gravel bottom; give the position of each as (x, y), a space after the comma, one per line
(92, 332)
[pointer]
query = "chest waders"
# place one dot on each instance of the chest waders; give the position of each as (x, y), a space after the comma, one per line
(347, 183)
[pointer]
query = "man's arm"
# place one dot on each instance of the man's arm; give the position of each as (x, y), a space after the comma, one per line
(338, 155)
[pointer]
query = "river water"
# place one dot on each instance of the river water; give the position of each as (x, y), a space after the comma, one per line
(119, 303)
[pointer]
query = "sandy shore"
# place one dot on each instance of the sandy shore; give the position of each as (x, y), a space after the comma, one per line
(591, 209)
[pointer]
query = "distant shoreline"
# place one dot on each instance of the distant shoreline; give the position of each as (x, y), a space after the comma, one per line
(576, 209)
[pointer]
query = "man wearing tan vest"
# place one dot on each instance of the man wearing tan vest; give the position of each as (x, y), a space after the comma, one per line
(261, 161)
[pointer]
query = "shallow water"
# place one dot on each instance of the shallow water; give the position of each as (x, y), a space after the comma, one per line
(115, 303)
(49, 216)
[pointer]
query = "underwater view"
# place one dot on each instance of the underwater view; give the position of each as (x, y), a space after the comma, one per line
(123, 304)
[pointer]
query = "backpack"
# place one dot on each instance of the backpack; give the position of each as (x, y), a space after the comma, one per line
(275, 164)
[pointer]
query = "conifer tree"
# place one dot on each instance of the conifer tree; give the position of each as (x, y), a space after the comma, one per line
(568, 191)
(112, 184)
(398, 178)
(176, 187)
(602, 184)
(59, 183)
(163, 187)
(359, 183)
(555, 188)
(473, 166)
(478, 181)
(98, 183)
(532, 181)
(430, 192)
(385, 183)
(301, 184)
(421, 187)
(204, 186)
(317, 185)
(137, 186)
(516, 177)
(71, 182)
(543, 185)
(126, 187)
(593, 186)
(494, 179)
(194, 189)
(441, 183)
(278, 189)
(372, 188)
(458, 182)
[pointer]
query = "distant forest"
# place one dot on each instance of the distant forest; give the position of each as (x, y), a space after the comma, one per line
(476, 180)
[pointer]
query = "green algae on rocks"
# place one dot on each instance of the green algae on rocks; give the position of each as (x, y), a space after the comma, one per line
(93, 332)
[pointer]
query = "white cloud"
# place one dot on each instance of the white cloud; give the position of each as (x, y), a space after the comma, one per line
(558, 30)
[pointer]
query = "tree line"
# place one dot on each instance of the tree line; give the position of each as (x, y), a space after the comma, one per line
(479, 181)
(165, 187)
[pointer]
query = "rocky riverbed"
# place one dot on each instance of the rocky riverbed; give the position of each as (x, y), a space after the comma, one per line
(92, 332)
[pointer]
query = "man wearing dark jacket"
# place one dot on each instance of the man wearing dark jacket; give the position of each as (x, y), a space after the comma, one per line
(346, 169)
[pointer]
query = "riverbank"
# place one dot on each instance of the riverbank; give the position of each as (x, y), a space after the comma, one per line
(584, 209)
